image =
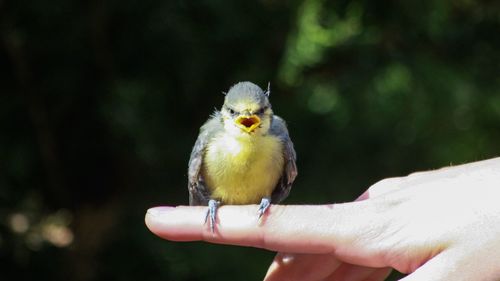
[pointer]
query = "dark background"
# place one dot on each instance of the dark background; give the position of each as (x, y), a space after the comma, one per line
(101, 101)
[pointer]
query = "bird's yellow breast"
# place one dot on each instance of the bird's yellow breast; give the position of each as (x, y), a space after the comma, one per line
(242, 169)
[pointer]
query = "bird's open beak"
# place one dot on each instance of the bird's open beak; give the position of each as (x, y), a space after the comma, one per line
(248, 123)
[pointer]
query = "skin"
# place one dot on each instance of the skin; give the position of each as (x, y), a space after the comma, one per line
(435, 225)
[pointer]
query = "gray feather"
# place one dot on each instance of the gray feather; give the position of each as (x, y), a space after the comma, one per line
(198, 192)
(247, 92)
(282, 189)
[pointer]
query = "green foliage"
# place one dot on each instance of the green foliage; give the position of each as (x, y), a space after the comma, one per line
(101, 102)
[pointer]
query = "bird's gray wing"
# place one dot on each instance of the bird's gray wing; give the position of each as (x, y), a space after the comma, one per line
(282, 189)
(198, 192)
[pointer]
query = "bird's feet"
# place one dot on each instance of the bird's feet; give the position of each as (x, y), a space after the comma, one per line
(212, 210)
(264, 205)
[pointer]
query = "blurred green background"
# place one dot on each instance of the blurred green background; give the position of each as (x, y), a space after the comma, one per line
(101, 102)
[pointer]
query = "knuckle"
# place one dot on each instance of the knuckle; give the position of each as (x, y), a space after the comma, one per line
(384, 186)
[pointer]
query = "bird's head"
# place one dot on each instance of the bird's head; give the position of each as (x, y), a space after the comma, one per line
(247, 110)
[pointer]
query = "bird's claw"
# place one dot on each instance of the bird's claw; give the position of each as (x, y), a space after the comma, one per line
(212, 210)
(264, 205)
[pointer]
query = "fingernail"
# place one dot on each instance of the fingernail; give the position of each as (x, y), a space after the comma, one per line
(287, 258)
(159, 211)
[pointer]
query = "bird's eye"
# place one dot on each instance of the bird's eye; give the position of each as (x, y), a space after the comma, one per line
(231, 111)
(262, 110)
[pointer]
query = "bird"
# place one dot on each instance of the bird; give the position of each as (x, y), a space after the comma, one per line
(243, 155)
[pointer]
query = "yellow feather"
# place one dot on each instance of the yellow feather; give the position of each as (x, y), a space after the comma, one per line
(243, 168)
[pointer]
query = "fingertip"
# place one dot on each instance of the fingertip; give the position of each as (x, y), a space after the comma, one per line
(158, 211)
(153, 218)
(278, 263)
(175, 223)
(288, 266)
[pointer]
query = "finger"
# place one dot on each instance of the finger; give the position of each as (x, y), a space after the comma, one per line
(349, 272)
(379, 275)
(343, 229)
(302, 267)
(390, 185)
(382, 187)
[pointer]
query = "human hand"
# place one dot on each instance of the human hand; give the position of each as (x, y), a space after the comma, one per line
(437, 225)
